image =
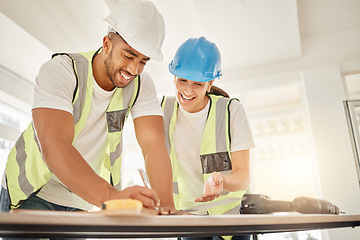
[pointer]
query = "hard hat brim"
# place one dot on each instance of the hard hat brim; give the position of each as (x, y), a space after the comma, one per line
(192, 76)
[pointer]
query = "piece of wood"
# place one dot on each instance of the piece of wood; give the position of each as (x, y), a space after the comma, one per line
(123, 212)
(128, 212)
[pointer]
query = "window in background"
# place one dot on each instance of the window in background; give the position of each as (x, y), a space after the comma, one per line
(281, 162)
(12, 122)
(5, 147)
(14, 118)
(352, 111)
(281, 166)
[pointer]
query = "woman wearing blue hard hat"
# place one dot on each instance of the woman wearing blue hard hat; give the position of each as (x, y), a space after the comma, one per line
(207, 133)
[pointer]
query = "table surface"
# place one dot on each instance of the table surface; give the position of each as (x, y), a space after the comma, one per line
(33, 223)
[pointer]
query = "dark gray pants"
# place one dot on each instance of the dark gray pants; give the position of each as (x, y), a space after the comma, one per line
(35, 203)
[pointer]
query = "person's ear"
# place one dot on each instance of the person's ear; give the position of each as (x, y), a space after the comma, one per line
(209, 87)
(107, 44)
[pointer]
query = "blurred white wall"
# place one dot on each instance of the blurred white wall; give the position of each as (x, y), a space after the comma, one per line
(286, 60)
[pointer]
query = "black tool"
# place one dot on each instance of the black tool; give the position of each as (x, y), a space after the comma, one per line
(262, 204)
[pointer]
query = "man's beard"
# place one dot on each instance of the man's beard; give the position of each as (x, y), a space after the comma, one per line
(111, 74)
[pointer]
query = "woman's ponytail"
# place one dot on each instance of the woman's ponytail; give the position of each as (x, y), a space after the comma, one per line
(218, 91)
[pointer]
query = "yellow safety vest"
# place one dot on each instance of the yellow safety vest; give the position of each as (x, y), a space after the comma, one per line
(27, 172)
(215, 154)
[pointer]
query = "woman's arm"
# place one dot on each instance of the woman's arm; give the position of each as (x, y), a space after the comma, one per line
(238, 180)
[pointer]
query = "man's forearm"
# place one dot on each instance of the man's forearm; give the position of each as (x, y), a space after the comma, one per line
(55, 132)
(158, 167)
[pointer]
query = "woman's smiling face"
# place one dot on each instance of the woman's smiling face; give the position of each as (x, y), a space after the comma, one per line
(191, 95)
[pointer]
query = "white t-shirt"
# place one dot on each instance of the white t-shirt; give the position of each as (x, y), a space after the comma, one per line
(54, 88)
(188, 134)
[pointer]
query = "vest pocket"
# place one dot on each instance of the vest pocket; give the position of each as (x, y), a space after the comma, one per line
(116, 120)
(215, 162)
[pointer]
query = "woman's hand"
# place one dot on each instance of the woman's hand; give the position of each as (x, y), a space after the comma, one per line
(212, 188)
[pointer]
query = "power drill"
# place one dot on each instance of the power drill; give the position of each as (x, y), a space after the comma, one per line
(262, 204)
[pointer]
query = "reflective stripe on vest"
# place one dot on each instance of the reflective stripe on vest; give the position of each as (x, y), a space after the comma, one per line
(215, 154)
(27, 173)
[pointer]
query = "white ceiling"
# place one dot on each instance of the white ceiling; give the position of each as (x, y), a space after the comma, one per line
(249, 33)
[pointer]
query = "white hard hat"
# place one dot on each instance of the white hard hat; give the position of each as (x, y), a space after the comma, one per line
(141, 25)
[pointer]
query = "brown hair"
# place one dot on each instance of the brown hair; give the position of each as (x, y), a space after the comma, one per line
(218, 91)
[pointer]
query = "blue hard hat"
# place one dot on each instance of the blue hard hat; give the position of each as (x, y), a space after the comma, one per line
(197, 59)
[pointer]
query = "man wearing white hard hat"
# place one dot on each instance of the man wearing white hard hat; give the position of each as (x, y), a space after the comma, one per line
(69, 158)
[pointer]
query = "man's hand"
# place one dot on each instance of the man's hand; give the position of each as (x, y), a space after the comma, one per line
(146, 195)
(212, 188)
